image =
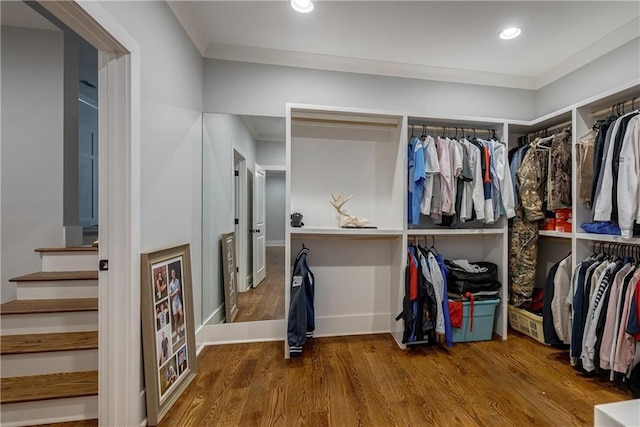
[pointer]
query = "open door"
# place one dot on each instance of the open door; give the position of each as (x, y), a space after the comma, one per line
(258, 230)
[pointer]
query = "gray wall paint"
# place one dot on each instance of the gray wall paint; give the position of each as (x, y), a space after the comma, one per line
(612, 70)
(263, 90)
(275, 208)
(171, 131)
(271, 153)
(221, 134)
(32, 152)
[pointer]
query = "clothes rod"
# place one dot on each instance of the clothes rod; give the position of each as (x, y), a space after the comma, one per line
(631, 103)
(343, 122)
(448, 129)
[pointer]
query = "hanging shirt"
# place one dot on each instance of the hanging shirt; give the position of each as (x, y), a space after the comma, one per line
(626, 344)
(628, 190)
(446, 176)
(584, 166)
(560, 171)
(504, 180)
(416, 179)
(559, 308)
(610, 322)
(431, 168)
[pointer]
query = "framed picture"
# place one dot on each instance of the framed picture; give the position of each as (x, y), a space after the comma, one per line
(168, 335)
(229, 275)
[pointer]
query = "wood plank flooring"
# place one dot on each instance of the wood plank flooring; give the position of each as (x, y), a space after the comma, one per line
(36, 343)
(368, 380)
(266, 302)
(51, 386)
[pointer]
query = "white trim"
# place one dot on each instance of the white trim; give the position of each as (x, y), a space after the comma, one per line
(242, 332)
(272, 243)
(243, 227)
(87, 101)
(218, 312)
(274, 168)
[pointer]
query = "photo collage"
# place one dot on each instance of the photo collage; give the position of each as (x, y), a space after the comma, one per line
(170, 314)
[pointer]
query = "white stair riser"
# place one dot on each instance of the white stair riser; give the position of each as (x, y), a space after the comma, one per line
(58, 289)
(42, 323)
(22, 365)
(70, 261)
(49, 411)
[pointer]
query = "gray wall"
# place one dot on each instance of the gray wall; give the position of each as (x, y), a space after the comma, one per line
(275, 198)
(612, 70)
(271, 153)
(171, 131)
(263, 90)
(221, 134)
(32, 152)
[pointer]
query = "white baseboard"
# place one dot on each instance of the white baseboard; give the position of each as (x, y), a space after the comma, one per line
(358, 324)
(216, 317)
(274, 243)
(49, 411)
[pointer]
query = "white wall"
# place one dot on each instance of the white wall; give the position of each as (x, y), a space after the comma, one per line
(263, 90)
(608, 72)
(272, 153)
(221, 134)
(171, 131)
(170, 143)
(275, 208)
(32, 152)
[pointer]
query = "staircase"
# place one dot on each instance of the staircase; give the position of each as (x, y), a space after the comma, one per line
(49, 344)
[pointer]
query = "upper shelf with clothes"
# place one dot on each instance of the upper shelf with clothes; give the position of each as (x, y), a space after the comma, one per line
(457, 175)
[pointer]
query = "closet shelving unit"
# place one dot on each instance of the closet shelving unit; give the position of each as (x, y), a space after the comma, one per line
(471, 240)
(360, 272)
(354, 152)
(553, 245)
(585, 115)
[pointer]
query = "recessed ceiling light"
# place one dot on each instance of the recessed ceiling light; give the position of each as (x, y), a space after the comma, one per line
(510, 33)
(302, 6)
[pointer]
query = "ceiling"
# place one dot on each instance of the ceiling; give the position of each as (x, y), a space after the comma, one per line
(18, 14)
(446, 40)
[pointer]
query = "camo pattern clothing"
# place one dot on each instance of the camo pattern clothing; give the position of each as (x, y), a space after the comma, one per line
(584, 166)
(523, 259)
(532, 181)
(560, 171)
(524, 235)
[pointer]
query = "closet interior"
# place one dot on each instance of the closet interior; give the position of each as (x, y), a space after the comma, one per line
(360, 271)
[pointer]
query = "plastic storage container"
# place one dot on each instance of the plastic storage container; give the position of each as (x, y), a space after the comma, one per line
(483, 315)
(528, 323)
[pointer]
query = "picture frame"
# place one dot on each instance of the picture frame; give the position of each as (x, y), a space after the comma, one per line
(168, 333)
(230, 277)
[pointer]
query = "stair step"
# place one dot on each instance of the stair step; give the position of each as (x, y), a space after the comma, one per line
(50, 411)
(45, 387)
(83, 423)
(49, 306)
(57, 275)
(37, 343)
(72, 249)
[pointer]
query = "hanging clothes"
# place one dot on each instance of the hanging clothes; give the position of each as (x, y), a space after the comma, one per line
(301, 318)
(560, 171)
(584, 166)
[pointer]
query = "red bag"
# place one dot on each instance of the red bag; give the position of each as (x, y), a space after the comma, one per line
(455, 313)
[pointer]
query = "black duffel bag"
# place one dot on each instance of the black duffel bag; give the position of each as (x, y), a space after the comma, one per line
(461, 281)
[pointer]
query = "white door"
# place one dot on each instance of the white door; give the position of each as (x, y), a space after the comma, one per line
(259, 243)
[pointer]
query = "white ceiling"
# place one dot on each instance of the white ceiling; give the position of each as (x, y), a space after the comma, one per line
(271, 129)
(446, 40)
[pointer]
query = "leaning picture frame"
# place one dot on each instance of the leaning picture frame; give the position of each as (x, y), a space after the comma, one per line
(168, 334)
(229, 275)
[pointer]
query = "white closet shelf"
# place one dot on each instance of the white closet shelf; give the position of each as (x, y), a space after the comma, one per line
(346, 232)
(558, 234)
(454, 231)
(607, 238)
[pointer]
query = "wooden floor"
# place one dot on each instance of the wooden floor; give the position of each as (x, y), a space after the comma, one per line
(369, 381)
(266, 302)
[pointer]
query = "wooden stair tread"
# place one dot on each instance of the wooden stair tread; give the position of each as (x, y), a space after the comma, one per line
(49, 306)
(73, 249)
(57, 275)
(38, 343)
(51, 386)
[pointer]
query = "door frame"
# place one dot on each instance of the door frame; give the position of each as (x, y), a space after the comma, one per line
(119, 350)
(243, 226)
(256, 235)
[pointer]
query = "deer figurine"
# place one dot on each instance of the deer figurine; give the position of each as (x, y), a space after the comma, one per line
(351, 221)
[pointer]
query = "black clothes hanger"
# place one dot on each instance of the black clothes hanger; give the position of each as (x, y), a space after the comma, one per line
(424, 132)
(412, 131)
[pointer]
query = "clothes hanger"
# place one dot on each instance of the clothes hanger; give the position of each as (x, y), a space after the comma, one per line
(412, 131)
(424, 132)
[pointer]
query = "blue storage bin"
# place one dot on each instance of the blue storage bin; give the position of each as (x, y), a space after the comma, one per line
(483, 314)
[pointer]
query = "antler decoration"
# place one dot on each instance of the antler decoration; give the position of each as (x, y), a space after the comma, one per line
(349, 220)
